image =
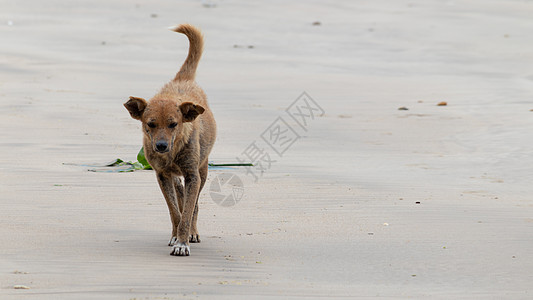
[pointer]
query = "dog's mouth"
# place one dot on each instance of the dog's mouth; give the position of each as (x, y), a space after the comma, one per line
(162, 151)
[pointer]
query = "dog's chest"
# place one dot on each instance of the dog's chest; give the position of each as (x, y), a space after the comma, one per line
(176, 169)
(164, 163)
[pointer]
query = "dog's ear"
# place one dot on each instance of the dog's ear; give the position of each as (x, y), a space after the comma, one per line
(190, 111)
(136, 107)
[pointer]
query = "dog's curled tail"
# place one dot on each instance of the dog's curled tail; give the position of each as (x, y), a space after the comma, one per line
(196, 45)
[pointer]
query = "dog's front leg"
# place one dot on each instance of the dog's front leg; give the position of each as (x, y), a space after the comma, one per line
(166, 183)
(192, 185)
(179, 193)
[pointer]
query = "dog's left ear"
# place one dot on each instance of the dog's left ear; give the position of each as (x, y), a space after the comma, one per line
(136, 107)
(190, 111)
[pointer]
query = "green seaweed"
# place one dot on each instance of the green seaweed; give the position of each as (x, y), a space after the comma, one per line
(142, 160)
(121, 166)
(231, 165)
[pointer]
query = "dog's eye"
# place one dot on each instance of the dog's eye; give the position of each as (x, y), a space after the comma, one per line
(151, 125)
(173, 125)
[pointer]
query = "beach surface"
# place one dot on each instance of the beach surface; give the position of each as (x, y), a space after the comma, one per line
(368, 189)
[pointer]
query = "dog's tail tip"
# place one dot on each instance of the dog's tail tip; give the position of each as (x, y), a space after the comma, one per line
(182, 28)
(174, 28)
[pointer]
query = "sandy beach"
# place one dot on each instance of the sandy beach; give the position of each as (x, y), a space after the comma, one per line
(382, 193)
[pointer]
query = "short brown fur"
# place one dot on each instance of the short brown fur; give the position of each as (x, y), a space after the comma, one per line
(179, 133)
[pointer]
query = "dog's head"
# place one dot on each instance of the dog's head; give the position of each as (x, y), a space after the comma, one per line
(162, 120)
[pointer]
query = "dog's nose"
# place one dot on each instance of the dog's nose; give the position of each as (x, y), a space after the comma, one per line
(161, 146)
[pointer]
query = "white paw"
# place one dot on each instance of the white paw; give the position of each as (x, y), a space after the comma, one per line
(181, 249)
(173, 241)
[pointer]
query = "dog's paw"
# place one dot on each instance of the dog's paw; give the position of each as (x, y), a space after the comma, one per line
(181, 249)
(173, 241)
(194, 238)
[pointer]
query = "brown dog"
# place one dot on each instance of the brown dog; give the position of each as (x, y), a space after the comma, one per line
(179, 133)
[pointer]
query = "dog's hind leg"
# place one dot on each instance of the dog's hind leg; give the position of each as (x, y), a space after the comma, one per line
(195, 237)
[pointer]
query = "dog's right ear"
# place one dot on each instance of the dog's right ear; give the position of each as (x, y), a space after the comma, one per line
(136, 107)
